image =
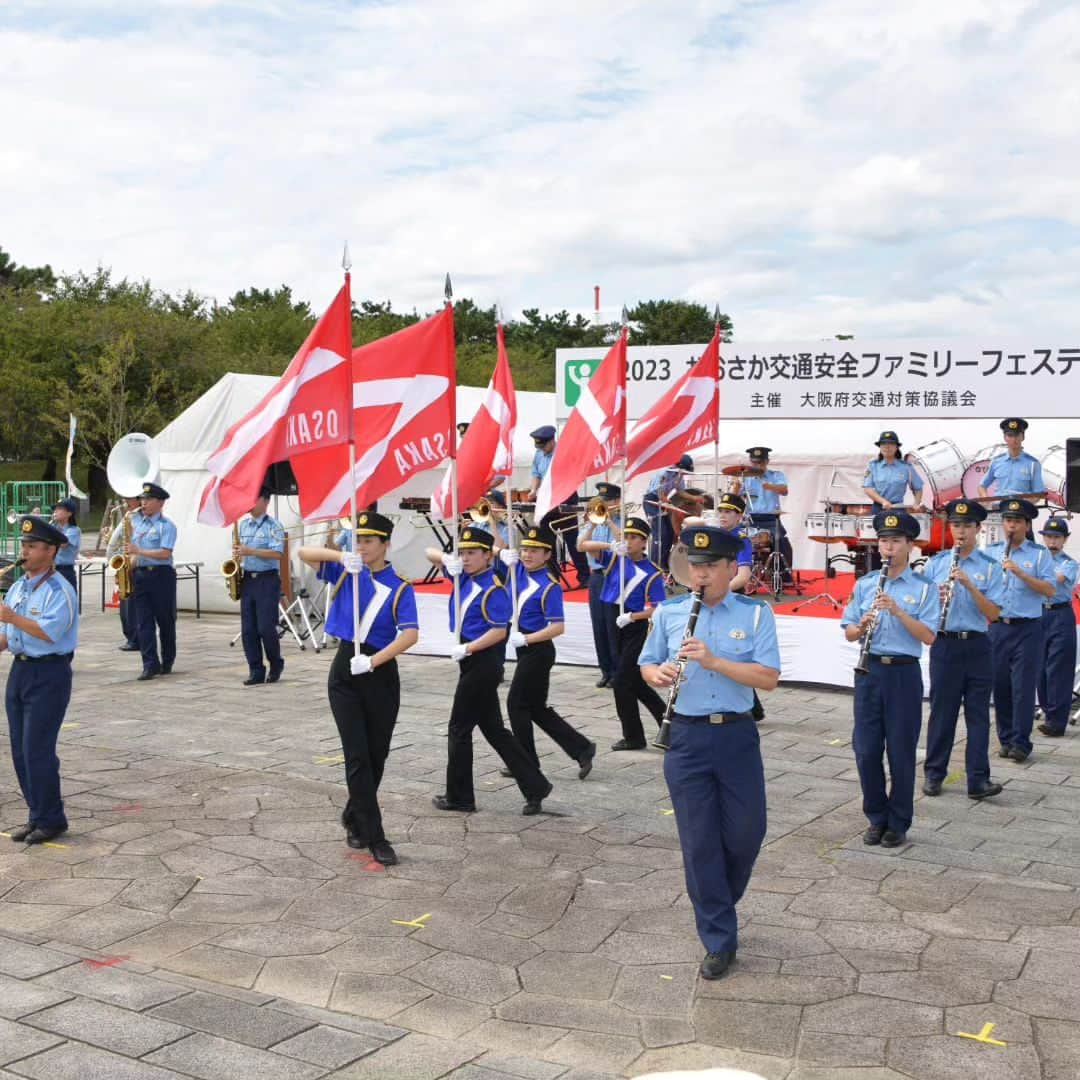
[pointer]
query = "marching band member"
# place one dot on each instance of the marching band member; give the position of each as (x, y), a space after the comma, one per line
(127, 604)
(39, 624)
(1015, 472)
(602, 616)
(260, 551)
(363, 686)
(1059, 633)
(661, 488)
(888, 477)
(729, 512)
(485, 616)
(63, 518)
(713, 769)
(153, 537)
(961, 660)
(899, 608)
(762, 494)
(1017, 637)
(544, 442)
(629, 572)
(540, 621)
(499, 529)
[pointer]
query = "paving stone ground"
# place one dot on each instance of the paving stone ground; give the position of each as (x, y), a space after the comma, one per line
(203, 917)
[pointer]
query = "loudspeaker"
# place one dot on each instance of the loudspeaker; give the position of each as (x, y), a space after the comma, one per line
(1072, 475)
(280, 480)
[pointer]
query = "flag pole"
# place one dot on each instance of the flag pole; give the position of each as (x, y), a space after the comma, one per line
(448, 294)
(622, 471)
(716, 438)
(511, 528)
(346, 265)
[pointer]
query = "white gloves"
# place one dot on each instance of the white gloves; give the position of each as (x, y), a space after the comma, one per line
(620, 547)
(625, 619)
(353, 565)
(360, 664)
(510, 556)
(452, 564)
(517, 639)
(458, 652)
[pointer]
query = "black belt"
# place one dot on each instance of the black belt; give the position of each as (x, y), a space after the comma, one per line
(1058, 607)
(23, 658)
(893, 661)
(147, 569)
(1014, 619)
(713, 718)
(961, 635)
(258, 573)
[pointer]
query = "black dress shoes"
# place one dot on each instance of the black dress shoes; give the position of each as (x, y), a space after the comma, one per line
(1049, 732)
(533, 805)
(507, 773)
(129, 646)
(585, 761)
(148, 673)
(625, 744)
(21, 832)
(42, 836)
(382, 852)
(166, 669)
(1004, 751)
(892, 838)
(601, 682)
(441, 802)
(274, 675)
(1018, 755)
(354, 840)
(931, 787)
(715, 965)
(988, 790)
(873, 835)
(255, 680)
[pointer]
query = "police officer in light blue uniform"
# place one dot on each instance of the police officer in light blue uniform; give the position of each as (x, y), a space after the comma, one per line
(153, 537)
(39, 625)
(605, 633)
(902, 617)
(662, 487)
(888, 477)
(713, 768)
(1059, 633)
(544, 442)
(64, 519)
(1015, 472)
(260, 551)
(1017, 637)
(762, 494)
(961, 660)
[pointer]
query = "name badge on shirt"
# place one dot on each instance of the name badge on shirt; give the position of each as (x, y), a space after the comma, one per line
(1029, 565)
(979, 577)
(35, 611)
(737, 634)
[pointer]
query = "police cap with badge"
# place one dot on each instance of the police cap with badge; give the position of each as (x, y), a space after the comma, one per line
(1014, 425)
(686, 463)
(888, 437)
(895, 523)
(542, 434)
(1055, 526)
(759, 453)
(372, 524)
(709, 543)
(35, 528)
(476, 538)
(731, 501)
(153, 491)
(539, 536)
(69, 504)
(608, 491)
(1018, 508)
(965, 512)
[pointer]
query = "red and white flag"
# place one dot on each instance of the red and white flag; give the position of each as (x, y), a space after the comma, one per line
(306, 412)
(403, 398)
(595, 434)
(684, 418)
(487, 450)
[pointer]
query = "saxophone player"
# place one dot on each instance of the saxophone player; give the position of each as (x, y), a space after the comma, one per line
(260, 550)
(971, 590)
(900, 609)
(713, 766)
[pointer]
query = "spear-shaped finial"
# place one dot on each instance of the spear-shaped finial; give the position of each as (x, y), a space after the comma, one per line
(625, 316)
(716, 314)
(448, 290)
(346, 260)
(498, 313)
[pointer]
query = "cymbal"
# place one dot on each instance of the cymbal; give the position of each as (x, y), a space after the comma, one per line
(742, 470)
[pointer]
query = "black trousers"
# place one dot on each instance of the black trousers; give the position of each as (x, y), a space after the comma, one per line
(259, 596)
(155, 606)
(528, 704)
(476, 704)
(630, 688)
(365, 709)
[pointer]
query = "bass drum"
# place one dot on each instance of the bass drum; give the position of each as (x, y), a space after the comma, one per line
(976, 471)
(941, 466)
(1053, 470)
(679, 565)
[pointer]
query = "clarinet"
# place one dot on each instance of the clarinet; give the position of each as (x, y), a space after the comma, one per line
(950, 588)
(863, 665)
(663, 736)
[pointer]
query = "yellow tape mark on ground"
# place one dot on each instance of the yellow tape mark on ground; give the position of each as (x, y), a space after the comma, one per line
(983, 1036)
(952, 778)
(667, 978)
(335, 760)
(69, 725)
(49, 843)
(836, 742)
(417, 923)
(666, 813)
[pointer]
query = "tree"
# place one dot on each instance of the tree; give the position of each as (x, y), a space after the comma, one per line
(17, 277)
(674, 322)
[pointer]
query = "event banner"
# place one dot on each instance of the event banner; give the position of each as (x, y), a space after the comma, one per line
(835, 380)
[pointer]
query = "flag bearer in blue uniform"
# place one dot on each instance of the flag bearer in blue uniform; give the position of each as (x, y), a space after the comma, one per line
(260, 551)
(605, 633)
(485, 618)
(961, 660)
(1017, 637)
(153, 537)
(363, 685)
(540, 620)
(39, 625)
(631, 574)
(902, 617)
(1059, 633)
(713, 769)
(64, 519)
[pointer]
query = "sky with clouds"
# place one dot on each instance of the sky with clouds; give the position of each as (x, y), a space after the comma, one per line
(813, 166)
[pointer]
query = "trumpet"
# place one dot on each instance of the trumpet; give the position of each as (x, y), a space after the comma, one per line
(121, 566)
(231, 570)
(481, 513)
(597, 511)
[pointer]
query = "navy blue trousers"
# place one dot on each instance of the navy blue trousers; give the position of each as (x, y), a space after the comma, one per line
(717, 784)
(888, 716)
(1018, 654)
(961, 673)
(155, 606)
(36, 699)
(603, 628)
(127, 621)
(68, 571)
(1059, 666)
(259, 596)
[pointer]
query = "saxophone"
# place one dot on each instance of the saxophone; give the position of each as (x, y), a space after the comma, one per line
(231, 570)
(121, 566)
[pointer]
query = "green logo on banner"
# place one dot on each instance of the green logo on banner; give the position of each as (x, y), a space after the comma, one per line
(578, 373)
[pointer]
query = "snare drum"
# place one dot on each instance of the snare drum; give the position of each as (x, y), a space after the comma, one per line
(817, 528)
(843, 526)
(1053, 470)
(941, 466)
(865, 532)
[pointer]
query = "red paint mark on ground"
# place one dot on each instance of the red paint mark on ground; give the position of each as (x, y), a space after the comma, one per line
(370, 864)
(109, 961)
(127, 808)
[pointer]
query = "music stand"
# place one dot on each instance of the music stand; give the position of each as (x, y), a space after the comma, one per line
(824, 596)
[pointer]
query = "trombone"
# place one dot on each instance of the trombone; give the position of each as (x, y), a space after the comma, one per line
(481, 514)
(597, 511)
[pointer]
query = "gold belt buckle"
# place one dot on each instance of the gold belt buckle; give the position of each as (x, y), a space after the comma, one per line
(717, 718)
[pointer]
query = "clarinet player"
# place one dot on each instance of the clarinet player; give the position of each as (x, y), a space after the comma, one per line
(713, 768)
(971, 589)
